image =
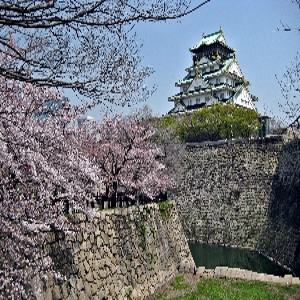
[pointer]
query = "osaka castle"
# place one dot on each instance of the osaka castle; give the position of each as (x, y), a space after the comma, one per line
(215, 76)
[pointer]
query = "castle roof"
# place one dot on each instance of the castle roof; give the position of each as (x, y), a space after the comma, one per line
(214, 73)
(215, 76)
(211, 38)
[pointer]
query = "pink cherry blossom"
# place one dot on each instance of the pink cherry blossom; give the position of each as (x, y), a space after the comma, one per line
(46, 160)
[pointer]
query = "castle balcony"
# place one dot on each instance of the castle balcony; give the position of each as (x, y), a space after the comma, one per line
(184, 95)
(224, 85)
(182, 82)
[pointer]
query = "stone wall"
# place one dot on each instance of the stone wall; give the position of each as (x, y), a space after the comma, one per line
(281, 239)
(243, 193)
(237, 273)
(118, 254)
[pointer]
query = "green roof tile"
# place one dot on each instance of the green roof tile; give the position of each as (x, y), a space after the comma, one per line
(210, 38)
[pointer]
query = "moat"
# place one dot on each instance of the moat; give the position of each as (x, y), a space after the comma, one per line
(211, 256)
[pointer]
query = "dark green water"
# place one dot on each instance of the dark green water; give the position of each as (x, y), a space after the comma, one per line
(211, 256)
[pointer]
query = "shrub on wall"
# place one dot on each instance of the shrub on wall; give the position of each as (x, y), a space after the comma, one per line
(220, 121)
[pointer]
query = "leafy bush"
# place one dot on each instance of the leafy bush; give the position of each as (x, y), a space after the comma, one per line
(220, 121)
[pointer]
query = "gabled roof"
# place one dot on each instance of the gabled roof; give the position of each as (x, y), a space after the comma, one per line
(239, 90)
(210, 39)
(179, 107)
(197, 82)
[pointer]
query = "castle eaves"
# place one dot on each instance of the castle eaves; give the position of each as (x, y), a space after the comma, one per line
(210, 39)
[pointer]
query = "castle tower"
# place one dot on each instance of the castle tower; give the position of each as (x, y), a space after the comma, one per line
(215, 76)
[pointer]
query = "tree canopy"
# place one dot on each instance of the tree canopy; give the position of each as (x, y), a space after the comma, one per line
(88, 46)
(220, 121)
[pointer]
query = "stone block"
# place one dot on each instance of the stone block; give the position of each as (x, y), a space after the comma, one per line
(231, 273)
(99, 241)
(79, 284)
(88, 245)
(83, 296)
(72, 281)
(102, 274)
(209, 273)
(288, 279)
(248, 275)
(65, 291)
(254, 275)
(83, 245)
(221, 272)
(277, 279)
(260, 277)
(200, 271)
(186, 266)
(56, 293)
(101, 294)
(73, 295)
(81, 269)
(182, 266)
(86, 266)
(97, 231)
(48, 294)
(269, 278)
(95, 273)
(105, 238)
(88, 289)
(94, 288)
(89, 277)
(295, 280)
(281, 280)
(272, 278)
(92, 238)
(239, 273)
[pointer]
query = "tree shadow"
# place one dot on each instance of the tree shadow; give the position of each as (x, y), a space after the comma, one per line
(281, 239)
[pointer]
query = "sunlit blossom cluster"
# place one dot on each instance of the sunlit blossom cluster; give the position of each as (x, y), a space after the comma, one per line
(46, 160)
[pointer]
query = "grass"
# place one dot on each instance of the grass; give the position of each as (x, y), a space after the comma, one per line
(165, 209)
(179, 283)
(225, 289)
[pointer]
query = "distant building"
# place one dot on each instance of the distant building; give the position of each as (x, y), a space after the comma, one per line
(84, 119)
(215, 76)
(51, 107)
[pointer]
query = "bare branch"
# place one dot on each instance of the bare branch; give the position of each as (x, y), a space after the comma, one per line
(85, 45)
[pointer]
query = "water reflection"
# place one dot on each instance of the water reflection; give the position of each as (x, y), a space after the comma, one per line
(211, 256)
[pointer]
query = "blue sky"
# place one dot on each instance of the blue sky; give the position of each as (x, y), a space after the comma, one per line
(250, 27)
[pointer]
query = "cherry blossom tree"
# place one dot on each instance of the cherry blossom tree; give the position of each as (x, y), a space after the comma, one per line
(41, 165)
(290, 90)
(88, 46)
(46, 160)
(129, 162)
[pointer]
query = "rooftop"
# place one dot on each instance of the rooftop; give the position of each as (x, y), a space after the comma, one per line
(211, 38)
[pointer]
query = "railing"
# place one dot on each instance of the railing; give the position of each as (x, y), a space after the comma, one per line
(122, 200)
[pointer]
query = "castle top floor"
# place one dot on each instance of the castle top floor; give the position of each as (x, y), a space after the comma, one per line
(213, 46)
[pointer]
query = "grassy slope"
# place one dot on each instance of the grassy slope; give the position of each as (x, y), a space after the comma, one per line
(215, 289)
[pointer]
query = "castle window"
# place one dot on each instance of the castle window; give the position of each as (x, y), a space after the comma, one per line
(211, 58)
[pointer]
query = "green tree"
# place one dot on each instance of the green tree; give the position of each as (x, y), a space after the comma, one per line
(220, 121)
